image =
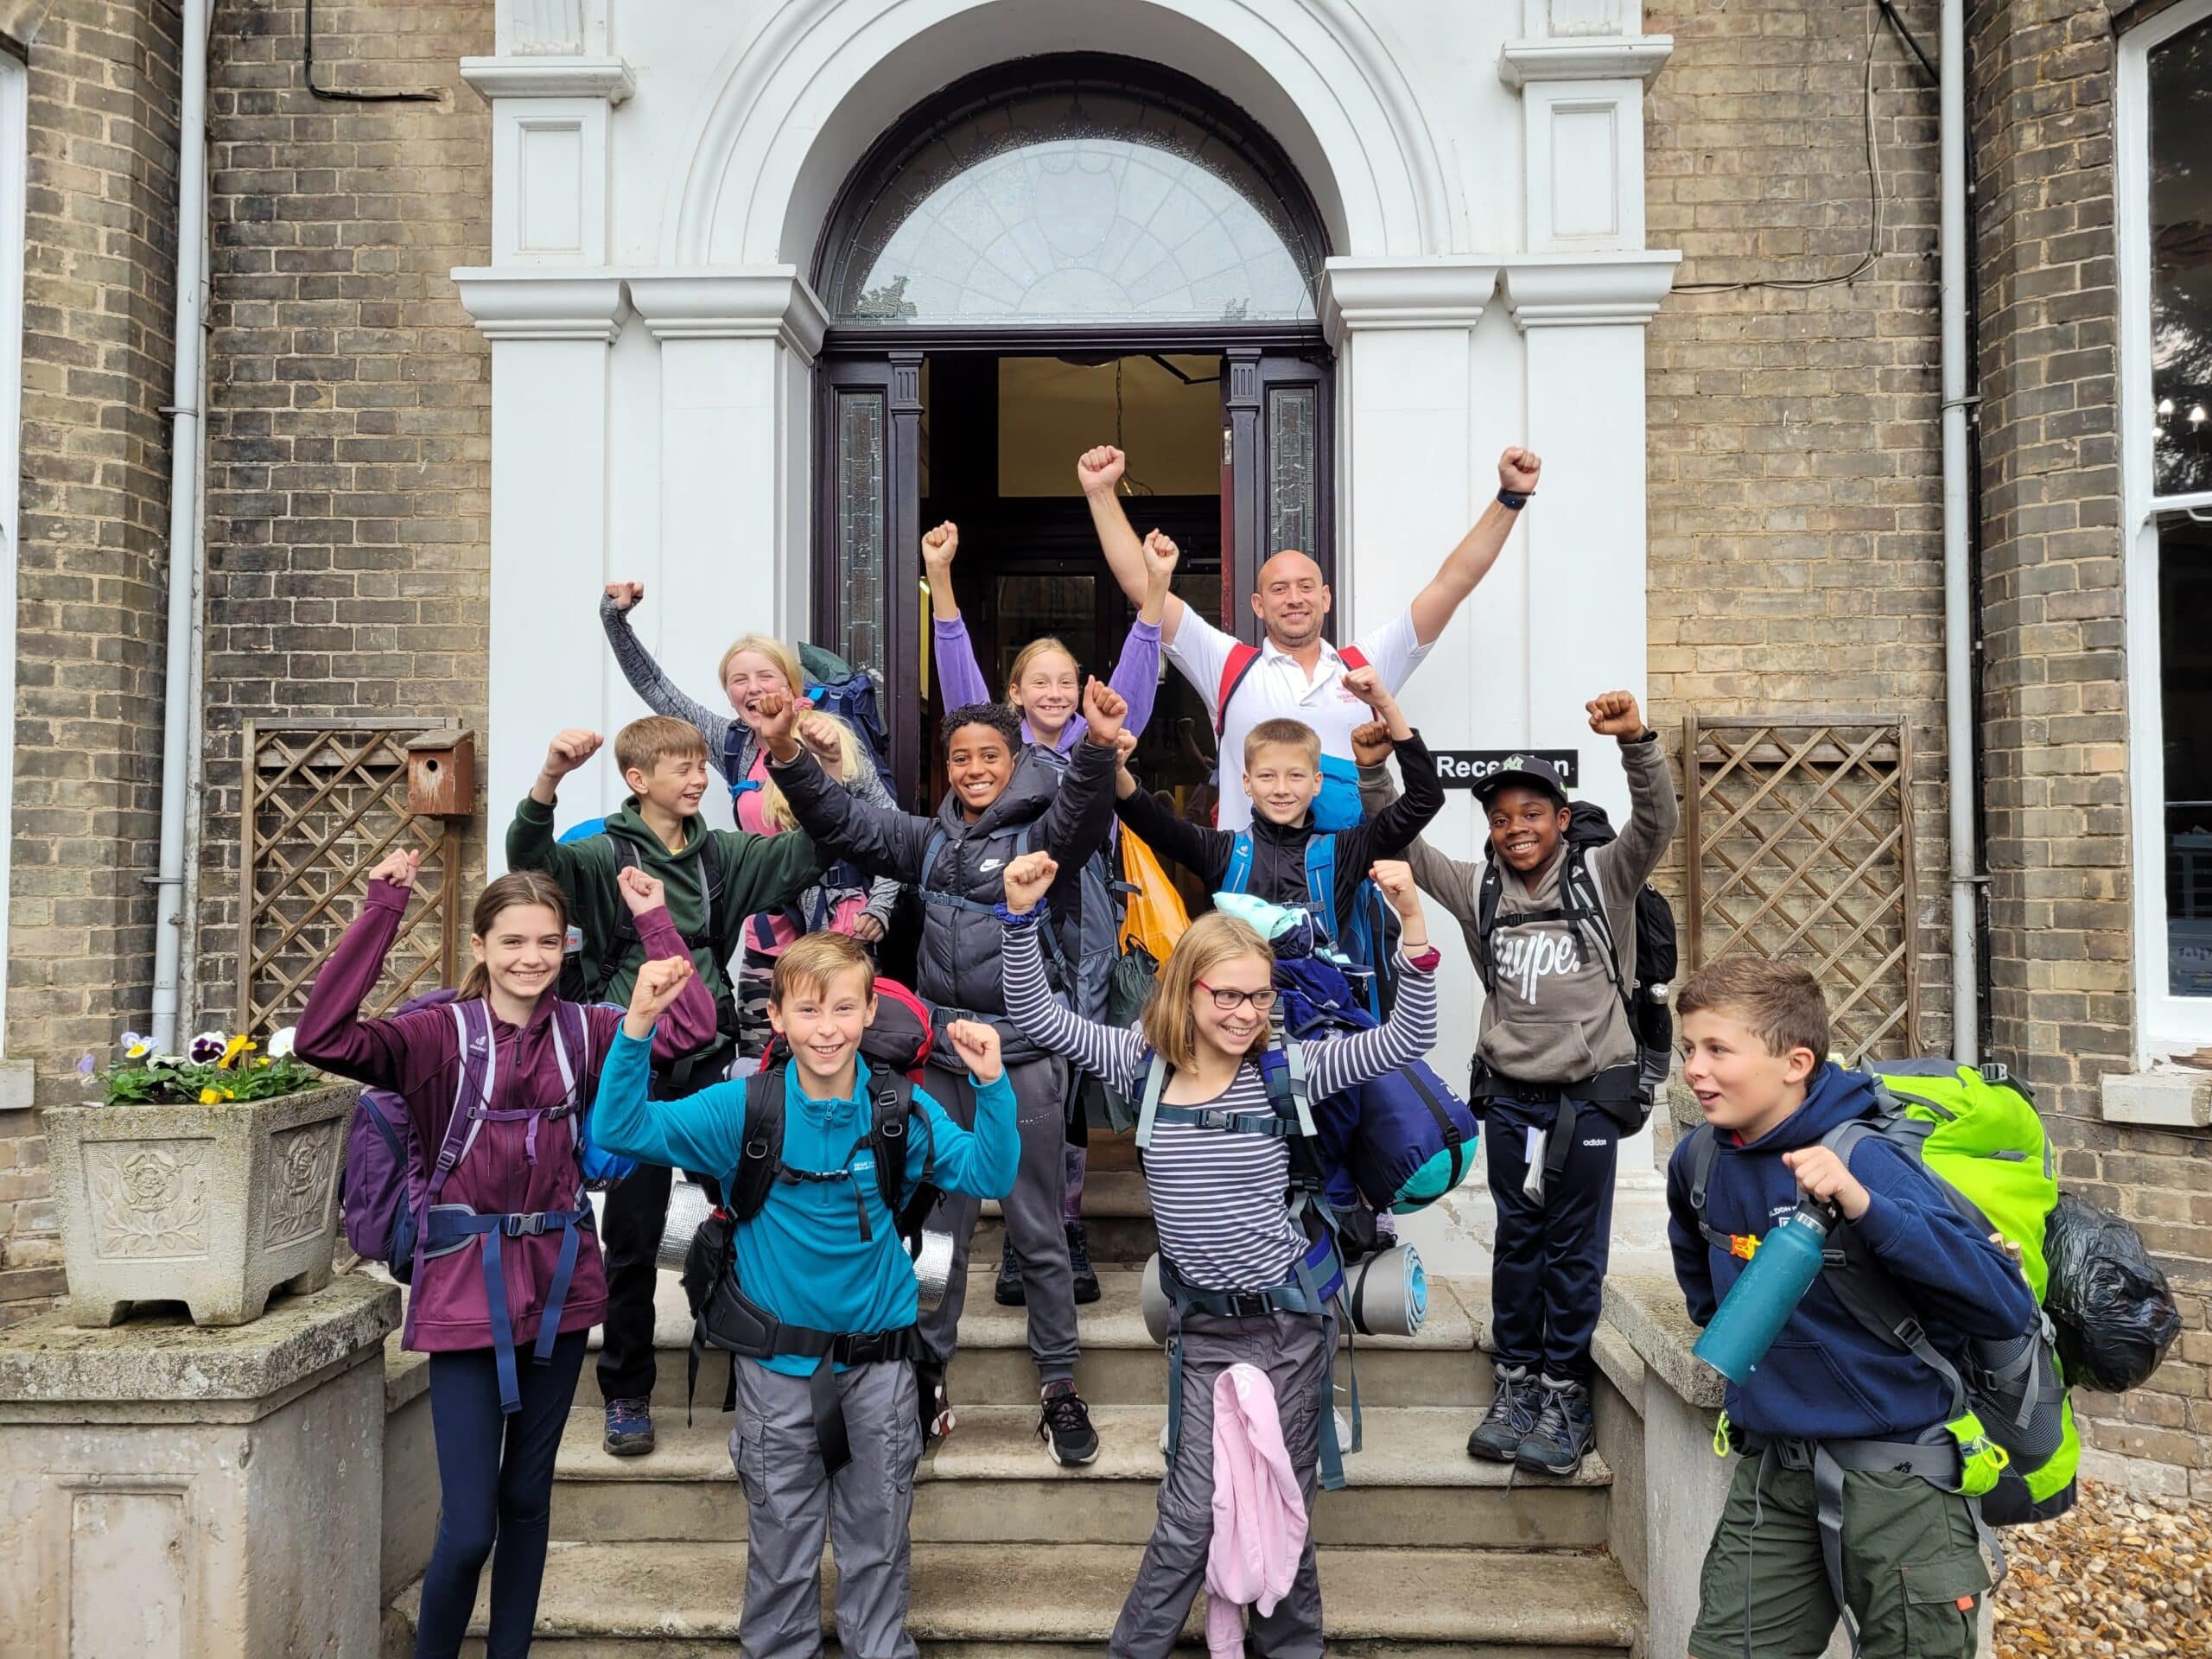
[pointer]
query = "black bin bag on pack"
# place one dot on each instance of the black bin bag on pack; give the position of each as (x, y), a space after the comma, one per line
(2110, 1306)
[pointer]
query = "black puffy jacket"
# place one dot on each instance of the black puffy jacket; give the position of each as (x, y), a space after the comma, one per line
(1067, 814)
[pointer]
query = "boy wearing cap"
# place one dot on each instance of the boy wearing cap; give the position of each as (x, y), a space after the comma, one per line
(1555, 1067)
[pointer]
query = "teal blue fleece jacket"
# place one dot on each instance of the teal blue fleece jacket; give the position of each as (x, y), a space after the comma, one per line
(803, 1258)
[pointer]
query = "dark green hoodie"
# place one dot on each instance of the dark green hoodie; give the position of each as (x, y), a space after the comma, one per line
(758, 873)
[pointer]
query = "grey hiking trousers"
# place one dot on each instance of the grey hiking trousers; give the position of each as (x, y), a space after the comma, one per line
(789, 1500)
(1034, 1221)
(1296, 1351)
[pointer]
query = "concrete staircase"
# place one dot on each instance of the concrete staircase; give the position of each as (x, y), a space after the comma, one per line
(1426, 1552)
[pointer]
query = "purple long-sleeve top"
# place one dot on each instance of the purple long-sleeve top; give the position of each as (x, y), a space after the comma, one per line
(1136, 676)
(417, 1057)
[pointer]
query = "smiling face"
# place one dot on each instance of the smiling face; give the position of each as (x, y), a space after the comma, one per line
(978, 765)
(1525, 826)
(1046, 691)
(674, 784)
(745, 676)
(1291, 601)
(822, 1019)
(1739, 1082)
(521, 950)
(1282, 780)
(1233, 1032)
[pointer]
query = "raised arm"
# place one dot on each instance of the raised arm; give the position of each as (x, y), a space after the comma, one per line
(705, 1131)
(655, 689)
(883, 892)
(1337, 1062)
(1451, 881)
(531, 844)
(1470, 561)
(1105, 1051)
(1652, 813)
(1136, 673)
(689, 1024)
(1099, 472)
(383, 1053)
(883, 841)
(980, 1162)
(1075, 822)
(959, 680)
(1201, 850)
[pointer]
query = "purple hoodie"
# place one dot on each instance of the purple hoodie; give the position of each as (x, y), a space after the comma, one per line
(1136, 676)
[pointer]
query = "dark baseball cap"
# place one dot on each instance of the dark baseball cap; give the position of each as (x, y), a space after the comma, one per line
(1529, 772)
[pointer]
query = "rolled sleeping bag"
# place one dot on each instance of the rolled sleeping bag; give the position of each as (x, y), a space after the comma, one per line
(1386, 1295)
(688, 1207)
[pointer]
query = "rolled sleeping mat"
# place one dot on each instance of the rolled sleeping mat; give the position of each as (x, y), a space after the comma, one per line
(1386, 1295)
(932, 1266)
(687, 1208)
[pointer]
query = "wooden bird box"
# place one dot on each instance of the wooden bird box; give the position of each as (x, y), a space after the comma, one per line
(442, 775)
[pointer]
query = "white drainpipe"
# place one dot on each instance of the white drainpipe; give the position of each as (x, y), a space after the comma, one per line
(1958, 597)
(178, 765)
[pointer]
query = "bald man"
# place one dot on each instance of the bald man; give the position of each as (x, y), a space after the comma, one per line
(1297, 674)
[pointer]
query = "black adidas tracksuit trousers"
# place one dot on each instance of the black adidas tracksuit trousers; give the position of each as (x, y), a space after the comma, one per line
(1548, 1281)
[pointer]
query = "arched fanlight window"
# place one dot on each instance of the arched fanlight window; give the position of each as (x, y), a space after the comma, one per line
(1068, 191)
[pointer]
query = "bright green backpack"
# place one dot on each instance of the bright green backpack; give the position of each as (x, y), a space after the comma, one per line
(1978, 1133)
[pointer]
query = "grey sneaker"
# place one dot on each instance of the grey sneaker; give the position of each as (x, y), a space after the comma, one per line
(1562, 1433)
(1511, 1418)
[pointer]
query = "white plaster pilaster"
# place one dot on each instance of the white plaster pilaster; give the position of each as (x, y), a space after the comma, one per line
(1581, 72)
(549, 333)
(1582, 322)
(552, 87)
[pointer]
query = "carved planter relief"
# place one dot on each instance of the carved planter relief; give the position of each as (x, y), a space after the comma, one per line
(212, 1206)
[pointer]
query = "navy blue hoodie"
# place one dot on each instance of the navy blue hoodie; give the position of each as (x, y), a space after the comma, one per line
(1828, 1376)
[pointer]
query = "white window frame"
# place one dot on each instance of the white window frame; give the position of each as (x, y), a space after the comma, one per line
(2164, 1023)
(15, 100)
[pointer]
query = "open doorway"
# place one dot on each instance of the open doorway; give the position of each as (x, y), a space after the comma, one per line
(1000, 438)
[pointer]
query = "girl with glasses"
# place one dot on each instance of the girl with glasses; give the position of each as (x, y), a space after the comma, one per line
(1217, 1190)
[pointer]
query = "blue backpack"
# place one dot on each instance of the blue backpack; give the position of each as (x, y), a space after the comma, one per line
(1364, 943)
(836, 687)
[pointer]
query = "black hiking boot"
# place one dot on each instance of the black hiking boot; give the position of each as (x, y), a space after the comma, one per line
(1511, 1418)
(1562, 1433)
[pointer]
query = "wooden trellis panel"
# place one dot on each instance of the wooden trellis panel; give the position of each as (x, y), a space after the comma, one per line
(324, 802)
(1800, 835)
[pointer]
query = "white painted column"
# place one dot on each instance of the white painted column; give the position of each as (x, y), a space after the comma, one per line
(549, 333)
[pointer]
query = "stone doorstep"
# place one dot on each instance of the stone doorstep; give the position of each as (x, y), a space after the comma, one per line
(1646, 1310)
(164, 1360)
(2164, 1098)
(647, 1598)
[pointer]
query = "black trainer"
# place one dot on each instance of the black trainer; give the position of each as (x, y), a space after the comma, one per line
(1064, 1424)
(1511, 1418)
(1086, 1278)
(1008, 1292)
(1562, 1433)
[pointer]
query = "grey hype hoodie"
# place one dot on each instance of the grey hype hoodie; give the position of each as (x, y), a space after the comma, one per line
(1554, 1016)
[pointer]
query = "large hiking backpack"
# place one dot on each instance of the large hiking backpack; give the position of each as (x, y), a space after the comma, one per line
(1363, 943)
(836, 687)
(1337, 807)
(1978, 1133)
(1650, 1020)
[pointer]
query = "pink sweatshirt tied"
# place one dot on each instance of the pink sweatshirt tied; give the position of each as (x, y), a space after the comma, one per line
(1259, 1512)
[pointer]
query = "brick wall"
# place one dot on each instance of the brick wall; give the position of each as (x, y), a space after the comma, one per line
(349, 433)
(2054, 711)
(98, 308)
(1796, 551)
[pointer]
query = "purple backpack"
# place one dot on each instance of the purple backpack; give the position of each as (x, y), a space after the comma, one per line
(384, 1192)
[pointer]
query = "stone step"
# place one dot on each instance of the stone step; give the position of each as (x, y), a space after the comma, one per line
(667, 1600)
(1412, 1481)
(1121, 1364)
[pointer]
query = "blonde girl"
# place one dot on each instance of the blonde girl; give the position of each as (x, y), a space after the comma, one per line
(1216, 1178)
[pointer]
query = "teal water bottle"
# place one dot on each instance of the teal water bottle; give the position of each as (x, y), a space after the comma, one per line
(1783, 1268)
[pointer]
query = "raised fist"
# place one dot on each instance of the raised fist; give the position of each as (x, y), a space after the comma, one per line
(1370, 744)
(640, 892)
(1367, 685)
(1517, 470)
(940, 544)
(626, 596)
(977, 1045)
(398, 868)
(1100, 470)
(1103, 709)
(1614, 713)
(774, 714)
(1028, 879)
(570, 749)
(820, 734)
(1160, 554)
(1395, 877)
(659, 981)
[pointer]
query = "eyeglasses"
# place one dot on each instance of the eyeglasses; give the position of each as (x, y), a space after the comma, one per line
(1226, 1000)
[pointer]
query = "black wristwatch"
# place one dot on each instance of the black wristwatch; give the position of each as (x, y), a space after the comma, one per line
(1514, 499)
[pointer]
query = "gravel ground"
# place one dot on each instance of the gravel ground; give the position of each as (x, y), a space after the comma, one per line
(2118, 1578)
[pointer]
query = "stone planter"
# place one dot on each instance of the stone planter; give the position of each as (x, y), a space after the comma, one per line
(212, 1206)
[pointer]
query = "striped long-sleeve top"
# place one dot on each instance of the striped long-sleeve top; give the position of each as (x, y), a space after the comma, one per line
(1217, 1196)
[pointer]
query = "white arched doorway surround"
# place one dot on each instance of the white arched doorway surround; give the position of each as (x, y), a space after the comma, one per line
(701, 441)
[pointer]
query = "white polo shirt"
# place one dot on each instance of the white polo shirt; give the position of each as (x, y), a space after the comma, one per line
(1277, 688)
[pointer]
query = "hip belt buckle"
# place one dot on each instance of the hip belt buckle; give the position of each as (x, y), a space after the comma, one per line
(519, 1226)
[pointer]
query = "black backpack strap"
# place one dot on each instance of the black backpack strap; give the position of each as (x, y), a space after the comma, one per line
(1586, 905)
(1491, 889)
(1704, 1153)
(892, 1115)
(762, 1154)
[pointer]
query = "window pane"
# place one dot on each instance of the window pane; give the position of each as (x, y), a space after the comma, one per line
(2185, 697)
(1063, 608)
(2181, 260)
(861, 446)
(1075, 202)
(1293, 462)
